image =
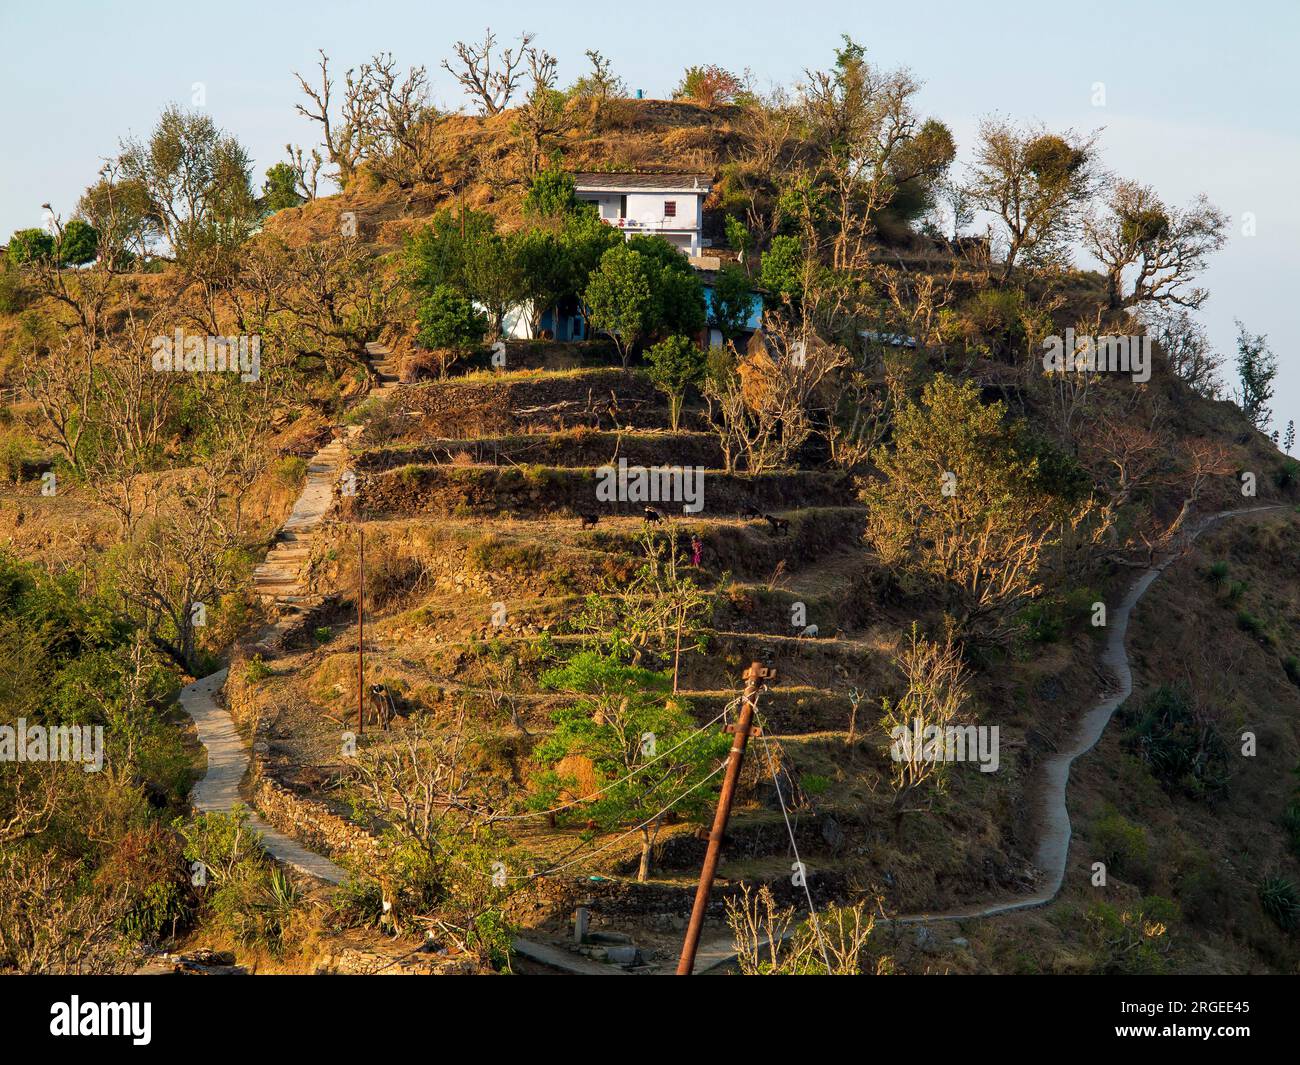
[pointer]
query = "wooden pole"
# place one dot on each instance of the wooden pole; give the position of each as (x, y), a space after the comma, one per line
(753, 675)
(361, 628)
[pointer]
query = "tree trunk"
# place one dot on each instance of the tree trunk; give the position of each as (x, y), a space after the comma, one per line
(646, 840)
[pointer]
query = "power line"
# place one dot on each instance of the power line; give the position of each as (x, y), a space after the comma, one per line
(803, 876)
(637, 828)
(621, 780)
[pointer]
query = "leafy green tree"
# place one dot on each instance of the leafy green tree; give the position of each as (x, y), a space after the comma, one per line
(30, 245)
(641, 742)
(449, 324)
(493, 277)
(79, 243)
(680, 306)
(675, 364)
(621, 299)
(782, 268)
(119, 211)
(739, 238)
(546, 269)
(280, 190)
(962, 501)
(1256, 366)
(198, 181)
(550, 193)
(585, 238)
(436, 254)
(467, 255)
(733, 302)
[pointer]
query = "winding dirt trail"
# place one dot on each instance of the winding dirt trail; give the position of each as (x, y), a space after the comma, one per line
(1051, 807)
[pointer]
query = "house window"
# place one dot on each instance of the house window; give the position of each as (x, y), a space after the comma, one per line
(670, 208)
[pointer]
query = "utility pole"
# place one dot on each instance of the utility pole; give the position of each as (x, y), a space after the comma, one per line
(361, 628)
(742, 729)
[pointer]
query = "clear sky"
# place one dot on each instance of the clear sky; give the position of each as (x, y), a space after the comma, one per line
(1199, 96)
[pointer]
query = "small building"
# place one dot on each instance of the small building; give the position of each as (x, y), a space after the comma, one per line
(667, 205)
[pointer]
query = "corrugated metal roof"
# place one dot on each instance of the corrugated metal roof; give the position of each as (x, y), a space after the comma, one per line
(653, 182)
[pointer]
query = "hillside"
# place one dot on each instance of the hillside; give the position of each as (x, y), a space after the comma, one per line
(902, 512)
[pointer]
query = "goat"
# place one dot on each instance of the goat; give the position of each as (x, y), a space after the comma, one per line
(750, 511)
(651, 515)
(588, 520)
(811, 630)
(779, 525)
(381, 706)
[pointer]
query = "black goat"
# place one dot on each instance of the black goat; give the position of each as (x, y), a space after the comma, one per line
(779, 525)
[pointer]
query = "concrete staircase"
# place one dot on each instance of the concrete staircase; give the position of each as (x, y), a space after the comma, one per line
(281, 578)
(383, 364)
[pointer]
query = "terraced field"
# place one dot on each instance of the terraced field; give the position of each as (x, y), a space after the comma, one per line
(476, 561)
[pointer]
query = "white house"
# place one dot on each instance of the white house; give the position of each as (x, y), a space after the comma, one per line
(670, 205)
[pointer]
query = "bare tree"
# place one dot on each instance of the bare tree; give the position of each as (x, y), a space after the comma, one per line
(935, 693)
(342, 137)
(766, 404)
(1162, 248)
(490, 88)
(398, 124)
(1186, 348)
(306, 171)
(769, 942)
(543, 113)
(181, 565)
(1037, 183)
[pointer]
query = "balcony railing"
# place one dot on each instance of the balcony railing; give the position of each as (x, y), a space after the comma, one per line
(664, 224)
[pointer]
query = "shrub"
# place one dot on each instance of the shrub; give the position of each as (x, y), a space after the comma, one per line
(290, 470)
(14, 295)
(450, 323)
(1122, 844)
(1182, 750)
(709, 86)
(1281, 901)
(1249, 623)
(1219, 572)
(243, 892)
(1286, 475)
(815, 784)
(1291, 665)
(256, 670)
(1133, 940)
